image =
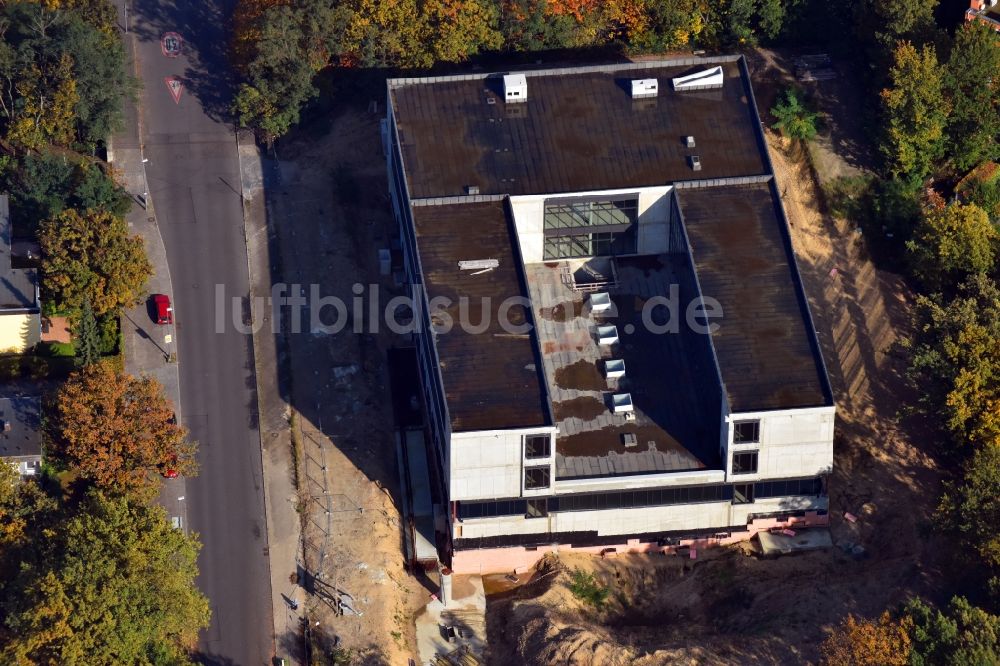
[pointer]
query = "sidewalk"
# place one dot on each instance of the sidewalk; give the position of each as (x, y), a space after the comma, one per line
(147, 345)
(280, 495)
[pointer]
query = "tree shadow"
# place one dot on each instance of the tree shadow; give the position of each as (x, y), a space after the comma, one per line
(207, 74)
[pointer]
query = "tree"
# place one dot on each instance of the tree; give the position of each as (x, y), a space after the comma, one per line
(744, 20)
(117, 431)
(955, 361)
(950, 243)
(915, 112)
(45, 184)
(972, 85)
(48, 98)
(114, 583)
(280, 47)
(794, 120)
(458, 29)
(668, 24)
(963, 634)
(88, 337)
(861, 642)
(529, 25)
(64, 75)
(91, 256)
(970, 506)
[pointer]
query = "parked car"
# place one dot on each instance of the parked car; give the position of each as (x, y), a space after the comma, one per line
(162, 309)
(167, 470)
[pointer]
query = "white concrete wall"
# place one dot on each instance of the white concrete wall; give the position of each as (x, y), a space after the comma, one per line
(793, 443)
(654, 219)
(628, 522)
(608, 522)
(667, 480)
(740, 513)
(490, 464)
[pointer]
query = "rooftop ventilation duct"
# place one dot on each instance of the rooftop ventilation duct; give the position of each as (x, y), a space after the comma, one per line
(621, 403)
(614, 368)
(689, 141)
(600, 301)
(607, 335)
(515, 88)
(644, 88)
(704, 80)
(695, 163)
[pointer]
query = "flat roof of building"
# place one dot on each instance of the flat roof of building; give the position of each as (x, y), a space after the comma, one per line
(20, 427)
(674, 427)
(743, 256)
(491, 379)
(579, 130)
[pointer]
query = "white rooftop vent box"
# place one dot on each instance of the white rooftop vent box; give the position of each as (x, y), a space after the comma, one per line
(644, 88)
(689, 141)
(614, 368)
(600, 301)
(515, 88)
(621, 403)
(704, 80)
(607, 335)
(695, 163)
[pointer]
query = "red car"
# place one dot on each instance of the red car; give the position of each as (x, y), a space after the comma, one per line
(167, 470)
(164, 311)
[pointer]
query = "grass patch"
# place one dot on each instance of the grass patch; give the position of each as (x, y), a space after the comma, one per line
(36, 367)
(585, 587)
(57, 349)
(849, 197)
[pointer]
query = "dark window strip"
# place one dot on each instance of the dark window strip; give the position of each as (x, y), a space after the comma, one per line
(633, 499)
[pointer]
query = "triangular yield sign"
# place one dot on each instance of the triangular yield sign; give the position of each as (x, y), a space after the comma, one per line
(175, 87)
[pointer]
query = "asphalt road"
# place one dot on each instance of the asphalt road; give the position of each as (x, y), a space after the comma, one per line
(194, 182)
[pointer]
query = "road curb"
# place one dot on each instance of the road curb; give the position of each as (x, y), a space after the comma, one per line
(249, 234)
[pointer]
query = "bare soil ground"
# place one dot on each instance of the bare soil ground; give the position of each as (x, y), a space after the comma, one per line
(731, 608)
(328, 197)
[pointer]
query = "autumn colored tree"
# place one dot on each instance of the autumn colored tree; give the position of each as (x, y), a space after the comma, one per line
(112, 584)
(91, 256)
(955, 361)
(861, 642)
(915, 112)
(48, 99)
(951, 243)
(458, 29)
(973, 87)
(116, 430)
(669, 24)
(529, 25)
(62, 72)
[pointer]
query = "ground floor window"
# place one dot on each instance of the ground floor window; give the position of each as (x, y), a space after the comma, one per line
(743, 493)
(537, 508)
